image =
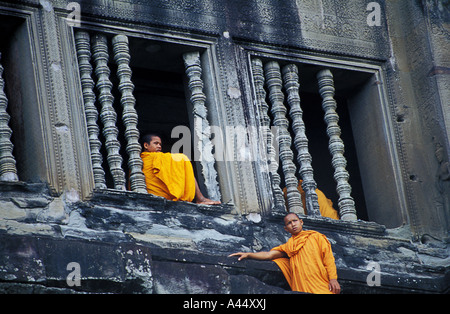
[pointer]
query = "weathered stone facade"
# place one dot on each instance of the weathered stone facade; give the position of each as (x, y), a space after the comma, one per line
(365, 80)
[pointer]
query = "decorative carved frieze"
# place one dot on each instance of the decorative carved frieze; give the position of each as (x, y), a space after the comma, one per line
(336, 145)
(274, 83)
(8, 171)
(129, 114)
(107, 113)
(263, 108)
(202, 132)
(83, 46)
(291, 85)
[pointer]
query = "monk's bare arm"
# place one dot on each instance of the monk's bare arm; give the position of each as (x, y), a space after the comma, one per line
(262, 256)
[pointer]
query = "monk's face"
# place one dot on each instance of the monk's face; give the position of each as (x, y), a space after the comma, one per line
(154, 145)
(293, 224)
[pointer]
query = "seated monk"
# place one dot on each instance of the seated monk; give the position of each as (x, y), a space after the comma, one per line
(169, 175)
(325, 204)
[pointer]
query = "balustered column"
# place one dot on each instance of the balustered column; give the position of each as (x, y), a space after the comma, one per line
(336, 145)
(202, 132)
(263, 108)
(8, 171)
(129, 115)
(107, 113)
(83, 46)
(274, 83)
(290, 76)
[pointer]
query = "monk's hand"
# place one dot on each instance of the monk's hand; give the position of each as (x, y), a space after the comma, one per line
(334, 286)
(240, 254)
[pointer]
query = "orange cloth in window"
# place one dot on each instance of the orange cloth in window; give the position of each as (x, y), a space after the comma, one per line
(325, 204)
(169, 175)
(310, 265)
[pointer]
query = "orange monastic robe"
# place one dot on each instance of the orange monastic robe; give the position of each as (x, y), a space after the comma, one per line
(310, 265)
(325, 204)
(169, 175)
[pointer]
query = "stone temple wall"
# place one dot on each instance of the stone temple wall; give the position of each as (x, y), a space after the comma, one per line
(131, 243)
(56, 220)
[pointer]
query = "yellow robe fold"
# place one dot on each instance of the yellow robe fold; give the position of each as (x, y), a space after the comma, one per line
(169, 175)
(325, 204)
(310, 265)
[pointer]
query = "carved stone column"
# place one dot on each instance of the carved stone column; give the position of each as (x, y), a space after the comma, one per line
(263, 108)
(290, 76)
(107, 113)
(336, 146)
(202, 130)
(83, 46)
(274, 83)
(64, 159)
(8, 171)
(129, 115)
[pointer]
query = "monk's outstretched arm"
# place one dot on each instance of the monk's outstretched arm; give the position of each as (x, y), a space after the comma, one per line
(262, 256)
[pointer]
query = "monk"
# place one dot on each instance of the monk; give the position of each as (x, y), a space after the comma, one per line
(169, 175)
(325, 204)
(306, 259)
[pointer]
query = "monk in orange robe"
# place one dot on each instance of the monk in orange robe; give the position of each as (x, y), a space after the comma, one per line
(325, 204)
(169, 175)
(306, 259)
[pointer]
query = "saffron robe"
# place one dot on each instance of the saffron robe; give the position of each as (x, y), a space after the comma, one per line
(310, 265)
(169, 175)
(325, 204)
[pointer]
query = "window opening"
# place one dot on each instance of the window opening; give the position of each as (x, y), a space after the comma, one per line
(277, 78)
(151, 77)
(14, 138)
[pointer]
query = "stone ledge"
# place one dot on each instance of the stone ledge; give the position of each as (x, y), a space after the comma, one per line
(134, 201)
(359, 227)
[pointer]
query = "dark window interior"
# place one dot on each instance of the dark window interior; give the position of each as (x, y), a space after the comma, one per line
(19, 88)
(8, 27)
